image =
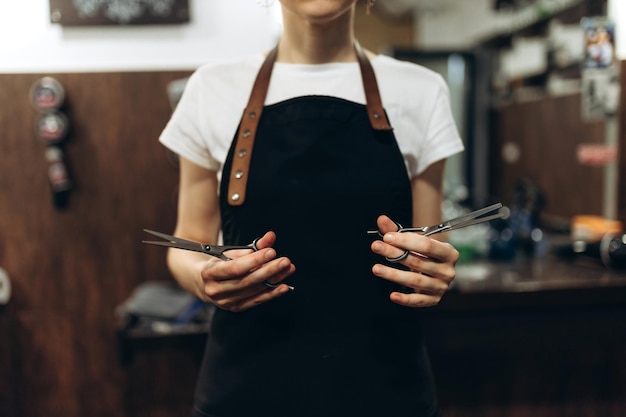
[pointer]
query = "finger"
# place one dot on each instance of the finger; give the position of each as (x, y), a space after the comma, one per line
(239, 286)
(249, 291)
(415, 299)
(273, 272)
(386, 225)
(266, 241)
(423, 245)
(239, 267)
(418, 282)
(428, 290)
(260, 297)
(386, 250)
(284, 272)
(414, 261)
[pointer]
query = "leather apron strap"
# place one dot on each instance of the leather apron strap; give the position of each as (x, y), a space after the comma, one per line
(375, 110)
(252, 114)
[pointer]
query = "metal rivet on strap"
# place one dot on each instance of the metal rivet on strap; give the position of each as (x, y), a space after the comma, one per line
(235, 197)
(247, 133)
(238, 174)
(376, 115)
(251, 115)
(242, 153)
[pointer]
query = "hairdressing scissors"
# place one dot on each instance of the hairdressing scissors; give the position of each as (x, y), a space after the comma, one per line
(465, 220)
(213, 250)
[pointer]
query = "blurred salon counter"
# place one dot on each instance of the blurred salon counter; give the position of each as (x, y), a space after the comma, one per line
(531, 337)
(527, 302)
(548, 281)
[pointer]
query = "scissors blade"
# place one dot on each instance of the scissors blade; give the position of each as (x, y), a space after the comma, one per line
(473, 215)
(446, 228)
(464, 220)
(174, 242)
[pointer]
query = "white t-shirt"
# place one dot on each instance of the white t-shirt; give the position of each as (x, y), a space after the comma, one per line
(416, 99)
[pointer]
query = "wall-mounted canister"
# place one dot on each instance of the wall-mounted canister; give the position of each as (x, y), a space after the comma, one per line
(47, 94)
(52, 127)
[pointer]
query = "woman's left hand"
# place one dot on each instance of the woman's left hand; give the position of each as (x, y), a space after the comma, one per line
(431, 265)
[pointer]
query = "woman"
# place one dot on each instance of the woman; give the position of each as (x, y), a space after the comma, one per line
(314, 163)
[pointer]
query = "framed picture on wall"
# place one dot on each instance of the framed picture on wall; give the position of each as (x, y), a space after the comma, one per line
(600, 75)
(118, 12)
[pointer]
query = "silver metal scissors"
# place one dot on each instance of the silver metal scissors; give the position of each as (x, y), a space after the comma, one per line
(213, 250)
(465, 220)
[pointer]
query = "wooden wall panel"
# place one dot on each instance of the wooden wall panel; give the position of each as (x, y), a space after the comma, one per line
(547, 133)
(70, 268)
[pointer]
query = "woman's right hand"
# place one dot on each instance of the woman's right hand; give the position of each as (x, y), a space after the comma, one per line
(239, 284)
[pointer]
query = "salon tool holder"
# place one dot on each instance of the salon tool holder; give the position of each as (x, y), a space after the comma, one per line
(520, 232)
(51, 127)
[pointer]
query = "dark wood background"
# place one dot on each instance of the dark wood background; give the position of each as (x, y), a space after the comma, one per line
(547, 132)
(70, 268)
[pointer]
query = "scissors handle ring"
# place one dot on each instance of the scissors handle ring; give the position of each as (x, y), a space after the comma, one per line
(218, 251)
(399, 258)
(405, 254)
(272, 286)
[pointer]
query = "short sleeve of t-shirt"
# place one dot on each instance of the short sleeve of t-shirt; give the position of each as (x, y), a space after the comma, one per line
(208, 112)
(184, 133)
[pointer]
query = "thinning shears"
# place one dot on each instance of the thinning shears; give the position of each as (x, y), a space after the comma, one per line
(214, 250)
(465, 220)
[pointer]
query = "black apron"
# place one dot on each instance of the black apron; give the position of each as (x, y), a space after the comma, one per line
(319, 177)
